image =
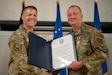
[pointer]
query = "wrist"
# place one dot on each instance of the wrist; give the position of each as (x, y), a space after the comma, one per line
(82, 64)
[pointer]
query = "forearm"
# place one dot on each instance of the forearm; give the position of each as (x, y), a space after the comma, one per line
(95, 59)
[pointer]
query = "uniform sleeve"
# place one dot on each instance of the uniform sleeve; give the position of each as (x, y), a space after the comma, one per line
(100, 51)
(17, 45)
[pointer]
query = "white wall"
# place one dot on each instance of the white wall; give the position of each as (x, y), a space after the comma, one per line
(11, 9)
(4, 50)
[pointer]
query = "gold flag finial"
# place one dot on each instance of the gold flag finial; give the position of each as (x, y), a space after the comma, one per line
(95, 0)
(57, 1)
(23, 1)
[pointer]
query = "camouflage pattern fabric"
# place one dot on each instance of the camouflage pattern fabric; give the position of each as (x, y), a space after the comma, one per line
(18, 64)
(91, 49)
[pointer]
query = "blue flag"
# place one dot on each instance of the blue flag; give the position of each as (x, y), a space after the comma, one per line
(98, 26)
(58, 31)
(58, 25)
(23, 6)
(96, 17)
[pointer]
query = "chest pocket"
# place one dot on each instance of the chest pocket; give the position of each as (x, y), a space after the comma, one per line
(88, 47)
(85, 48)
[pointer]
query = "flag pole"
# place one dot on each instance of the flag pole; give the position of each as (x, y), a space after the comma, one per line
(57, 1)
(65, 70)
(23, 2)
(96, 0)
(96, 16)
(23, 6)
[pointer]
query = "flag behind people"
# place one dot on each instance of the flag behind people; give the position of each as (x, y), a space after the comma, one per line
(23, 6)
(58, 25)
(58, 31)
(98, 26)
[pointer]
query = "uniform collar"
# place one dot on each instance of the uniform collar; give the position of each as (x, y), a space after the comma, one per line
(80, 31)
(23, 29)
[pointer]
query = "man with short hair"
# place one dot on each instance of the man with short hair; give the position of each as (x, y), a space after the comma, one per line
(18, 44)
(90, 45)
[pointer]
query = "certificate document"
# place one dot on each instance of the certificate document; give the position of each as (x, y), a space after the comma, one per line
(63, 51)
(53, 55)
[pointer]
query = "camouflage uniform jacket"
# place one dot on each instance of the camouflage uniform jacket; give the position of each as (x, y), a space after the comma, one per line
(18, 64)
(91, 49)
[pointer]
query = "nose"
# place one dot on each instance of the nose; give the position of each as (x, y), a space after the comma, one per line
(33, 17)
(72, 16)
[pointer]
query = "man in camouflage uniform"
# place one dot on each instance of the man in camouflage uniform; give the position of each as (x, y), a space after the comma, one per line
(90, 45)
(18, 44)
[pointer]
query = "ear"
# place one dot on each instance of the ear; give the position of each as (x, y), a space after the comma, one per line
(82, 15)
(22, 17)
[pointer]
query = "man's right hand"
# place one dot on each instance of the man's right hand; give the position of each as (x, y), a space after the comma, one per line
(48, 73)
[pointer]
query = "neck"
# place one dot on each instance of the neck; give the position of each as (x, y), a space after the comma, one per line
(76, 27)
(28, 28)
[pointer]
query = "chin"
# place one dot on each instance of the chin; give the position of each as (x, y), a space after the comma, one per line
(71, 23)
(31, 25)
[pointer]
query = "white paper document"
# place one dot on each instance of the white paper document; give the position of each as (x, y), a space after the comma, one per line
(63, 51)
